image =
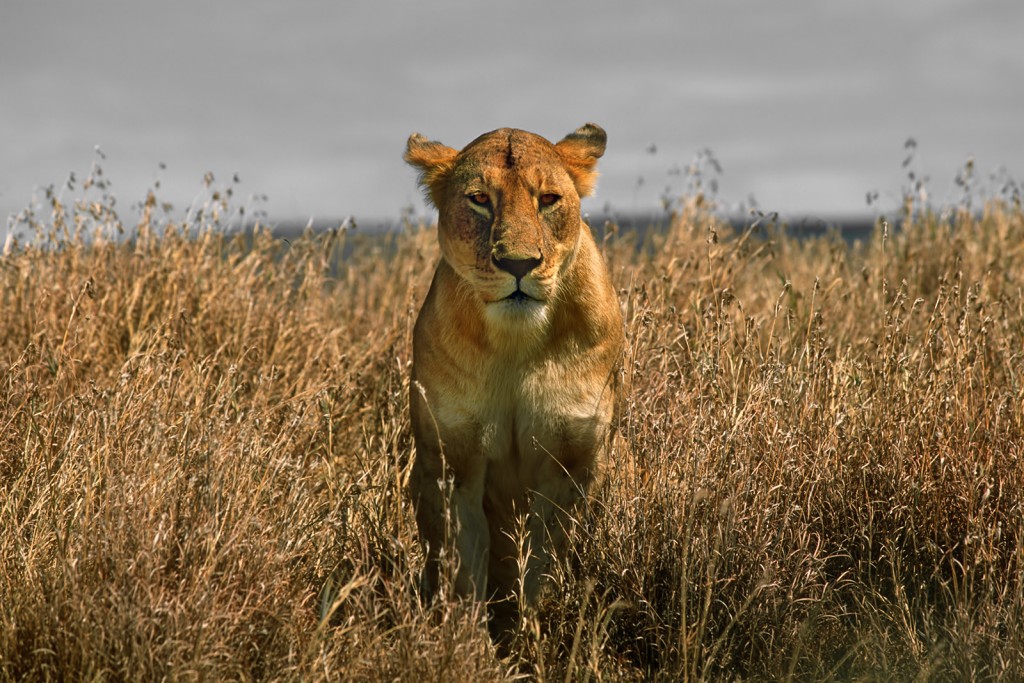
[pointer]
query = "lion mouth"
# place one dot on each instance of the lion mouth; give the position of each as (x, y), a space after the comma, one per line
(518, 296)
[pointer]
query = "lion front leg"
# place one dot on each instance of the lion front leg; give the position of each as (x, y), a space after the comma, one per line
(552, 509)
(449, 514)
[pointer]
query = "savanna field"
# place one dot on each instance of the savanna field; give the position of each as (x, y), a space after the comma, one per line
(818, 472)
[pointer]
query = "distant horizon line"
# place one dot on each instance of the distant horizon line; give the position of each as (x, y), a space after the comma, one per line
(811, 221)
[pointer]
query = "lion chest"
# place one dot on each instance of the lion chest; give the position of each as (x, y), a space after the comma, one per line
(524, 416)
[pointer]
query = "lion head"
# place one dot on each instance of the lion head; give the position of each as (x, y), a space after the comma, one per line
(509, 213)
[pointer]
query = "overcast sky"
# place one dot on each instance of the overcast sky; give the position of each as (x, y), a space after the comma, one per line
(806, 105)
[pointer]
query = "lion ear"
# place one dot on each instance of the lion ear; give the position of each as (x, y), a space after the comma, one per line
(580, 151)
(434, 162)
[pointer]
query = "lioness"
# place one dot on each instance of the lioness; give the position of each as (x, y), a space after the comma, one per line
(514, 357)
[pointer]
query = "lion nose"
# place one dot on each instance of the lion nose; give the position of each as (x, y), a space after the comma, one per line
(518, 267)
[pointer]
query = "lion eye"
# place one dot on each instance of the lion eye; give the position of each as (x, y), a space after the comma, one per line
(480, 198)
(548, 198)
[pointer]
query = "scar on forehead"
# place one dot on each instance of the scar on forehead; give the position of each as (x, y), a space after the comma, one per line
(510, 157)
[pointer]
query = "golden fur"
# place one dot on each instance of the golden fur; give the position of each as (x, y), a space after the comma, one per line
(514, 357)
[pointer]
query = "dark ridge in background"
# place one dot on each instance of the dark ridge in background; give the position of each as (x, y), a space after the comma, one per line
(850, 228)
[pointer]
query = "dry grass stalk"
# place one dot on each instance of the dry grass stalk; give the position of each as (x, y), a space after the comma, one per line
(820, 471)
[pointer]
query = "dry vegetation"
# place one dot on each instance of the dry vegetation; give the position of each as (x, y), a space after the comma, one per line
(819, 475)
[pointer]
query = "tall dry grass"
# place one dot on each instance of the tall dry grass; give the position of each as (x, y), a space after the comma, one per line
(819, 473)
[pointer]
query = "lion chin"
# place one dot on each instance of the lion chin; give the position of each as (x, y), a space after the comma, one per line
(515, 357)
(517, 317)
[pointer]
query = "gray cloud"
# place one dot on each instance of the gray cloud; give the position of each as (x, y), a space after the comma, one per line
(806, 105)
